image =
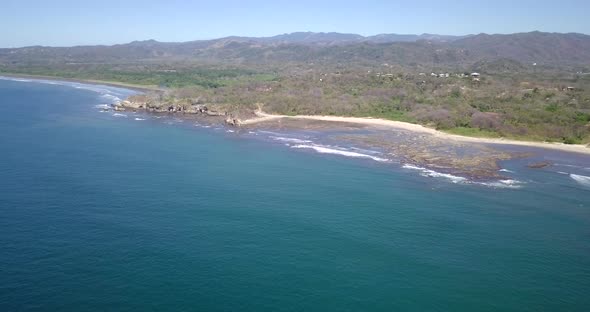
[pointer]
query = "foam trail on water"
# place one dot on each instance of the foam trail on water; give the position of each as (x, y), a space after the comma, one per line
(15, 79)
(114, 99)
(511, 184)
(119, 115)
(435, 174)
(327, 150)
(506, 170)
(583, 180)
(139, 119)
(103, 106)
(290, 140)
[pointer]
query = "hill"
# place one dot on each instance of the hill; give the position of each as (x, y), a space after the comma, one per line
(548, 49)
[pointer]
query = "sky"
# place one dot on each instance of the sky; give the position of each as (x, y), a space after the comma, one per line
(69, 22)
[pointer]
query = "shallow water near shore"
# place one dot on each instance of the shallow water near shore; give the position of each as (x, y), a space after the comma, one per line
(104, 211)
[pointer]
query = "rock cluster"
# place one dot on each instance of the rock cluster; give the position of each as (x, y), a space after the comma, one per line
(140, 103)
(234, 122)
(540, 165)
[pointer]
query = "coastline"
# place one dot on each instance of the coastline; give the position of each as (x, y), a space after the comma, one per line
(133, 87)
(377, 122)
(367, 121)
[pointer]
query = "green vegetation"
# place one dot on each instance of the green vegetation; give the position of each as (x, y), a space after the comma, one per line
(170, 78)
(511, 99)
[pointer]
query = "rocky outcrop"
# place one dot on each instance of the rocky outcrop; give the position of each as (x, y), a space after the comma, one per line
(136, 103)
(133, 104)
(171, 106)
(539, 165)
(196, 109)
(212, 113)
(234, 122)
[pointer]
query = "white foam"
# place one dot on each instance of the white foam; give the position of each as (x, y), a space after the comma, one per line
(512, 184)
(230, 131)
(567, 165)
(268, 132)
(506, 170)
(20, 80)
(365, 150)
(139, 119)
(114, 99)
(326, 150)
(119, 115)
(435, 174)
(290, 140)
(103, 106)
(583, 180)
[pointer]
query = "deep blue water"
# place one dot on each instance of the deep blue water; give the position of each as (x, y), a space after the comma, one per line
(99, 212)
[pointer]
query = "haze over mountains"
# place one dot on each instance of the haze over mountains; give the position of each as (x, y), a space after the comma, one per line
(342, 38)
(545, 49)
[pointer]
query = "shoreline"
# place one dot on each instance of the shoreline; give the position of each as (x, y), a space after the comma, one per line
(368, 121)
(86, 81)
(264, 117)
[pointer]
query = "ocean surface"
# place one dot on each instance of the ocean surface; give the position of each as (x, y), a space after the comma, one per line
(129, 212)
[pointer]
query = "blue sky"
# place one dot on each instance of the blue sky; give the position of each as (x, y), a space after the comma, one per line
(68, 22)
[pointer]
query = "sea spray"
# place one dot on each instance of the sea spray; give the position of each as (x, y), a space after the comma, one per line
(329, 150)
(582, 180)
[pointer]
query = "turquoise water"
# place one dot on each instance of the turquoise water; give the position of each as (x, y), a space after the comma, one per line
(99, 212)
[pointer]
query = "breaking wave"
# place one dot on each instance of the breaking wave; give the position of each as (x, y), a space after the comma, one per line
(583, 180)
(290, 140)
(512, 184)
(435, 174)
(119, 115)
(114, 99)
(139, 119)
(506, 170)
(567, 165)
(103, 106)
(327, 150)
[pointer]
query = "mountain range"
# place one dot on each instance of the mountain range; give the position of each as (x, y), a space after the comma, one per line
(549, 49)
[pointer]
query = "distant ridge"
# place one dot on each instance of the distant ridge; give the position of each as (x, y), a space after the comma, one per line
(341, 38)
(547, 49)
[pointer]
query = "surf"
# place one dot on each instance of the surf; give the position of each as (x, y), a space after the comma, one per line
(328, 150)
(582, 180)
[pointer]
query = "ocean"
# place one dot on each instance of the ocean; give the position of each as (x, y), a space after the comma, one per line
(129, 212)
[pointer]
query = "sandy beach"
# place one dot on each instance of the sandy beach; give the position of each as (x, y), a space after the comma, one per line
(134, 87)
(264, 117)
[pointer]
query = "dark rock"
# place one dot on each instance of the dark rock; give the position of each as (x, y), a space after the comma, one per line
(539, 165)
(212, 113)
(234, 122)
